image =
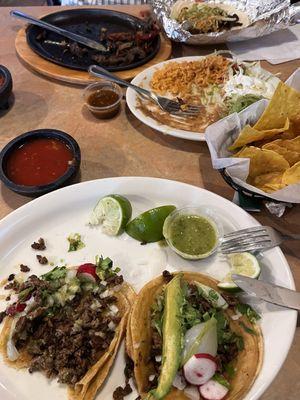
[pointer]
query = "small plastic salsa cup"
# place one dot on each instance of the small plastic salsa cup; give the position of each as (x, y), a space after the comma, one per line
(193, 232)
(113, 97)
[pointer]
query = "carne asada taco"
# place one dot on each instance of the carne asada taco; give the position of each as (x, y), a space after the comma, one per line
(187, 341)
(68, 324)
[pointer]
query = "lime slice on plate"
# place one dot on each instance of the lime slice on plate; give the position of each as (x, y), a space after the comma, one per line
(112, 212)
(242, 264)
(148, 226)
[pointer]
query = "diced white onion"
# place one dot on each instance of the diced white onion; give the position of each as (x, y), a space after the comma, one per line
(192, 392)
(29, 304)
(12, 352)
(114, 309)
(151, 378)
(158, 358)
(96, 304)
(101, 334)
(179, 381)
(236, 316)
(105, 294)
(112, 326)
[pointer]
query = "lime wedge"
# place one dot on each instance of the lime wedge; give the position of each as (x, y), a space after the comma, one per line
(242, 264)
(148, 226)
(112, 212)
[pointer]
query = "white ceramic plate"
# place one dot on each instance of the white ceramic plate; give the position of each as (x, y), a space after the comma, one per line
(66, 211)
(143, 79)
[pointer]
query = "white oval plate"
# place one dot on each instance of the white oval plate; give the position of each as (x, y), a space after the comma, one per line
(56, 215)
(143, 79)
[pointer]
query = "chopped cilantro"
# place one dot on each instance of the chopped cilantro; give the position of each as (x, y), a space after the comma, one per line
(248, 312)
(157, 313)
(75, 242)
(22, 296)
(229, 370)
(221, 380)
(55, 273)
(247, 329)
(206, 317)
(213, 295)
(104, 268)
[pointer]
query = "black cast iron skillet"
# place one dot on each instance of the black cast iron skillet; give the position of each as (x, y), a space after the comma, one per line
(86, 22)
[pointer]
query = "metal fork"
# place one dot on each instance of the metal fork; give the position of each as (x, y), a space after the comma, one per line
(170, 106)
(257, 238)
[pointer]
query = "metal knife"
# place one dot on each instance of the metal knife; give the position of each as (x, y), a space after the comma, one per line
(268, 292)
(70, 35)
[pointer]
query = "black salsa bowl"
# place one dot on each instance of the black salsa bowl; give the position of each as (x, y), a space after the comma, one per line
(5, 87)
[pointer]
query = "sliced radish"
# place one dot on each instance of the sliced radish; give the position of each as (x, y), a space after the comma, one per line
(199, 369)
(87, 271)
(213, 390)
(15, 308)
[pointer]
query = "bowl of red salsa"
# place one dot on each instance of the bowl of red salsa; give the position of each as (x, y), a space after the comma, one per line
(5, 86)
(39, 162)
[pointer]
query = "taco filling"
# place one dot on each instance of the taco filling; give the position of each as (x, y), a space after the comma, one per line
(63, 322)
(196, 341)
(199, 18)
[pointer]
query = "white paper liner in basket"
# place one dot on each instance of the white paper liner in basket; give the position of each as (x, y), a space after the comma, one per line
(223, 133)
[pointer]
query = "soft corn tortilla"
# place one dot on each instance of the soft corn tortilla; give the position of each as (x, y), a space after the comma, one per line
(247, 364)
(88, 386)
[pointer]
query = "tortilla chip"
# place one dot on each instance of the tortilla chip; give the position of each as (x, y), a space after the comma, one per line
(292, 175)
(269, 182)
(250, 135)
(292, 157)
(263, 161)
(292, 144)
(247, 365)
(284, 104)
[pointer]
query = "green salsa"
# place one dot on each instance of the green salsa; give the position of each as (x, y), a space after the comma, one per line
(192, 234)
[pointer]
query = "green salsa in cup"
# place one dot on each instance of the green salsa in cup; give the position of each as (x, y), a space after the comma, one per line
(192, 232)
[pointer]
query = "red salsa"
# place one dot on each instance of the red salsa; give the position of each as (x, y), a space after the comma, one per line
(38, 162)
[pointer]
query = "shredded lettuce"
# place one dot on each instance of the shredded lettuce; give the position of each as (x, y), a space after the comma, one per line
(248, 312)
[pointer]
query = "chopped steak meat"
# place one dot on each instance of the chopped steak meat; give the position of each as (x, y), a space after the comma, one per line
(11, 277)
(2, 316)
(42, 260)
(65, 344)
(24, 268)
(167, 276)
(120, 392)
(196, 300)
(14, 285)
(39, 245)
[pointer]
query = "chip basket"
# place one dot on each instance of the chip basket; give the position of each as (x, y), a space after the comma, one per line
(245, 192)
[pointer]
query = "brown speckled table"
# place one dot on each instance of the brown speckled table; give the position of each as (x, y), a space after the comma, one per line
(124, 146)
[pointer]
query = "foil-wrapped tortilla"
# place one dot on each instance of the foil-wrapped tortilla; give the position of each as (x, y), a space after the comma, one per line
(264, 17)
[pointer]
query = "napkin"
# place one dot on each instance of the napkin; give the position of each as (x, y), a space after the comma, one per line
(220, 135)
(276, 48)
